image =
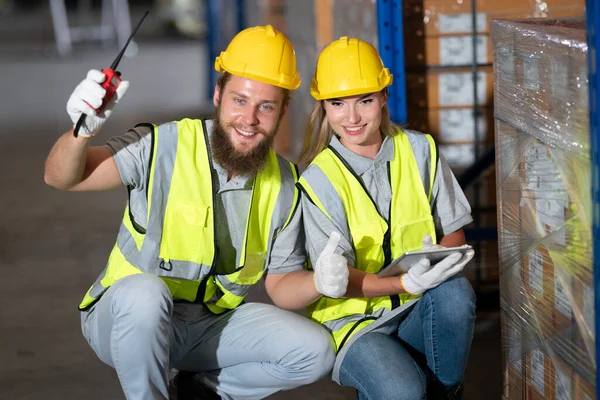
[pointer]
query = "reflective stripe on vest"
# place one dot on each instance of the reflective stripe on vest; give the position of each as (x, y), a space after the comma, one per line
(375, 245)
(180, 205)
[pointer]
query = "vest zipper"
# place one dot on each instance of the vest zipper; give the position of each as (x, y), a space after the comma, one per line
(387, 250)
(202, 287)
(387, 238)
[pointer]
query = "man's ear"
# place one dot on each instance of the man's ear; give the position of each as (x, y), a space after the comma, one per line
(217, 96)
(284, 108)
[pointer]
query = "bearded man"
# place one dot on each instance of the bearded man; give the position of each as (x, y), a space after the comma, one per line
(211, 210)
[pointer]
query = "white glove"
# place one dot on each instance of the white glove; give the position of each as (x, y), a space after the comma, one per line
(428, 243)
(331, 270)
(87, 97)
(423, 276)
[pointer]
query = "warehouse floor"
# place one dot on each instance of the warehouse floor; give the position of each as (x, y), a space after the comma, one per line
(53, 244)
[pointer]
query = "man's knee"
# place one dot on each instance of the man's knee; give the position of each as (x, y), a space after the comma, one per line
(143, 297)
(314, 354)
(324, 355)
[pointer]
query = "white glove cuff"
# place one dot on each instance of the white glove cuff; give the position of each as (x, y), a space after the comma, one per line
(83, 132)
(410, 286)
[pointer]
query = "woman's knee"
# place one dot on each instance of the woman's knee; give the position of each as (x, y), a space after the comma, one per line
(454, 298)
(379, 367)
(400, 389)
(405, 390)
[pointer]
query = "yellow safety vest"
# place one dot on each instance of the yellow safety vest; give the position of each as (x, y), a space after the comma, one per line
(375, 244)
(179, 242)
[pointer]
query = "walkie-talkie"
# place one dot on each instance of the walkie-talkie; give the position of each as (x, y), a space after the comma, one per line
(113, 78)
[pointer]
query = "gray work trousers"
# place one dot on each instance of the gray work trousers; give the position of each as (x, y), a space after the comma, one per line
(247, 353)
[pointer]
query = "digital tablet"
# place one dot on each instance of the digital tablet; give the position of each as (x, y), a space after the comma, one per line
(410, 258)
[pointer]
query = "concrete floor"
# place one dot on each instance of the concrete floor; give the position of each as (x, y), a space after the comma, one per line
(53, 244)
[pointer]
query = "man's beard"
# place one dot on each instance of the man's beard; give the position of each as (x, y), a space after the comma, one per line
(248, 163)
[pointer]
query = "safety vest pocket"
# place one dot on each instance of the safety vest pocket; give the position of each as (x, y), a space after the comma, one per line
(185, 231)
(409, 236)
(193, 214)
(368, 239)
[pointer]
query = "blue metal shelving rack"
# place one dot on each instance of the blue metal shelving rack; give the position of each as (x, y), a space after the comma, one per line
(593, 28)
(215, 37)
(390, 32)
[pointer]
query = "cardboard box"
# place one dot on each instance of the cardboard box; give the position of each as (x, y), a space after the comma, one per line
(540, 74)
(513, 384)
(513, 347)
(548, 282)
(538, 279)
(431, 7)
(546, 182)
(547, 72)
(508, 181)
(460, 156)
(515, 359)
(453, 125)
(548, 377)
(562, 310)
(564, 387)
(485, 197)
(450, 17)
(446, 51)
(584, 313)
(539, 376)
(582, 388)
(449, 88)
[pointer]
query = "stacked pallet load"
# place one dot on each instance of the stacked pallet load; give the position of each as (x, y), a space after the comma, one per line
(448, 56)
(543, 175)
(440, 56)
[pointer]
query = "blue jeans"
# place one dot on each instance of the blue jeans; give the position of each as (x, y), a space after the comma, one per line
(433, 339)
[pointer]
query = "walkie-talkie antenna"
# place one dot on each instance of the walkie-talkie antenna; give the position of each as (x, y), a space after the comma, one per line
(118, 59)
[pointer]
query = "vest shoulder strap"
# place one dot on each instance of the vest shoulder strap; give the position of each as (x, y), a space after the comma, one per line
(421, 144)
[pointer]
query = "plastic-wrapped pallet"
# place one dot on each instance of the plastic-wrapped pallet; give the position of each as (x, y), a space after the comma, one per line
(544, 208)
(439, 56)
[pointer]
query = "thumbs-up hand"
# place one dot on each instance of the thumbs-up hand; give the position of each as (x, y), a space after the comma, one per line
(331, 270)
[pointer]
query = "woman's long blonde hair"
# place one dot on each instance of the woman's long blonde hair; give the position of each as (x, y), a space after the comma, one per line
(318, 132)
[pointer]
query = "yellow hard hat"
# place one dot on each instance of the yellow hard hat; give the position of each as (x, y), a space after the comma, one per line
(348, 67)
(263, 54)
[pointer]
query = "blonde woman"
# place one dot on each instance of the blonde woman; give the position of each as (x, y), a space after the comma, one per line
(382, 191)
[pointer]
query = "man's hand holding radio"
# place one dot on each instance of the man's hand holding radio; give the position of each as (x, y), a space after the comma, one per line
(87, 98)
